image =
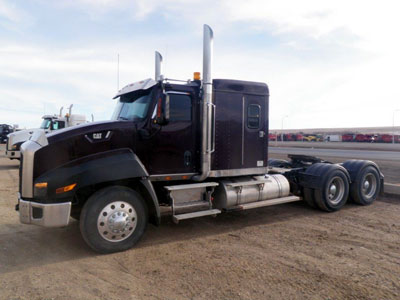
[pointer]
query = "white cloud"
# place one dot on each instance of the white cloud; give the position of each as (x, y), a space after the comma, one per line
(10, 12)
(336, 63)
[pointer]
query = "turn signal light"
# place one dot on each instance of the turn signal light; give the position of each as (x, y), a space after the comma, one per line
(196, 76)
(41, 185)
(65, 188)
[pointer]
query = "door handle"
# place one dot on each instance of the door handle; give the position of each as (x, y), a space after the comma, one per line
(261, 134)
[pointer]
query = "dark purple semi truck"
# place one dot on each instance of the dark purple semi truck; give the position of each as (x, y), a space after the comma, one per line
(196, 148)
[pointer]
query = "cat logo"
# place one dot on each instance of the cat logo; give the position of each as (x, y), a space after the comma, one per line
(97, 136)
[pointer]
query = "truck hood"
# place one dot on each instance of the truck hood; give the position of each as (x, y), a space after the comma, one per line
(87, 128)
(22, 135)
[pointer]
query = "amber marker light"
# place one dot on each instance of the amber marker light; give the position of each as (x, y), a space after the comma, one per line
(41, 185)
(196, 76)
(65, 189)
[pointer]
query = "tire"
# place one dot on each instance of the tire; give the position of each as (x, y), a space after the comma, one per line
(366, 181)
(113, 219)
(308, 193)
(334, 191)
(365, 189)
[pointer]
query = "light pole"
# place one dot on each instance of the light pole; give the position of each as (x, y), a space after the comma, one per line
(394, 112)
(283, 118)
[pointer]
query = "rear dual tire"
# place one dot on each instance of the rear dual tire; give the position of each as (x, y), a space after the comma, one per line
(333, 192)
(366, 181)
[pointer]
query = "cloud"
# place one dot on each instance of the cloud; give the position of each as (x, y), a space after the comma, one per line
(327, 63)
(10, 12)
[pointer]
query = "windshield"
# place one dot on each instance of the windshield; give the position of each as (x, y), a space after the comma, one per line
(133, 106)
(45, 124)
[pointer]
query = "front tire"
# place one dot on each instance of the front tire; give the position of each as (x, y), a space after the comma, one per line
(113, 219)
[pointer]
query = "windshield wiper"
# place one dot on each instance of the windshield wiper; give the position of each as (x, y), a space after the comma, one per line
(123, 118)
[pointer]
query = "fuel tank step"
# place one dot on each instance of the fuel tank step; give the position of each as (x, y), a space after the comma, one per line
(263, 203)
(197, 214)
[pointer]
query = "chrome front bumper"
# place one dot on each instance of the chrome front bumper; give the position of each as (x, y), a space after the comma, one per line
(47, 215)
(13, 154)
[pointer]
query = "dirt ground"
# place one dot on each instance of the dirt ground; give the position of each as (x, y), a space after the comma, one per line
(281, 252)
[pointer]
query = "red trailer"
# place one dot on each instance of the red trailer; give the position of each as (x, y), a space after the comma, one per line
(348, 137)
(272, 137)
(299, 137)
(360, 138)
(385, 138)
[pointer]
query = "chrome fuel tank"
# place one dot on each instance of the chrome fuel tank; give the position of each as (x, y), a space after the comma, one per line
(240, 190)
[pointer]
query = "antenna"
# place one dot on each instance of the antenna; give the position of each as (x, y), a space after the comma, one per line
(118, 73)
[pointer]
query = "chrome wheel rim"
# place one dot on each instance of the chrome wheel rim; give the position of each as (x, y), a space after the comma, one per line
(335, 190)
(117, 221)
(368, 185)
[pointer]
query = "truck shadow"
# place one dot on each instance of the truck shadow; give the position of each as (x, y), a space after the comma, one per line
(9, 167)
(23, 247)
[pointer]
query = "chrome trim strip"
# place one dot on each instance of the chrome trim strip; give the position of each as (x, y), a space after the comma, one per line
(238, 172)
(53, 215)
(28, 149)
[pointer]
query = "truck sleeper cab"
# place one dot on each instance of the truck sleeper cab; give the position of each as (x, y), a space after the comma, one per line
(197, 148)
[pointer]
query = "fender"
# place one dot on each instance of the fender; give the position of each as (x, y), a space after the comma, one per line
(109, 166)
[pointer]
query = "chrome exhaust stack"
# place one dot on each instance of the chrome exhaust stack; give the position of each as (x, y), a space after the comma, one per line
(206, 142)
(159, 59)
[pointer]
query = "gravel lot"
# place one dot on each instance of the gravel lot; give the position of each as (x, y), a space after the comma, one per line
(282, 252)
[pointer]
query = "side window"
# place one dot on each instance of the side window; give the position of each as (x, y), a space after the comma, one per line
(58, 125)
(180, 107)
(253, 116)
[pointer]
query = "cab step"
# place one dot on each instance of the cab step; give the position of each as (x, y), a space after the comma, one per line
(191, 200)
(197, 214)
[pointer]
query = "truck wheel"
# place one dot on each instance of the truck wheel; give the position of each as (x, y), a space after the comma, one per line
(366, 181)
(334, 190)
(365, 189)
(113, 219)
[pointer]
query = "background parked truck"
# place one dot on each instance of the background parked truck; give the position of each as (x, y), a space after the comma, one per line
(49, 123)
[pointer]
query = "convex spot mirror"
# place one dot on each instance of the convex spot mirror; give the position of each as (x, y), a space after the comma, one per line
(162, 110)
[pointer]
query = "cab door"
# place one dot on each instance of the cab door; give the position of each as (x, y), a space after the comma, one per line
(174, 146)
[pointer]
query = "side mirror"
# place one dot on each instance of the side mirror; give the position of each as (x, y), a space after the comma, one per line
(162, 116)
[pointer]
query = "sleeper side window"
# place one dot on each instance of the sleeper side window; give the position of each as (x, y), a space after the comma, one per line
(180, 107)
(253, 116)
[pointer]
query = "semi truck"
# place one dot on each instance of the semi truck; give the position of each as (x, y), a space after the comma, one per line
(49, 123)
(5, 130)
(196, 148)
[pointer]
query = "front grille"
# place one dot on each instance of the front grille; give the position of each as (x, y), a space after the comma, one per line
(20, 173)
(7, 144)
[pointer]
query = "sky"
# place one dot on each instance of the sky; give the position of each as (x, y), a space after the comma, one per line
(327, 63)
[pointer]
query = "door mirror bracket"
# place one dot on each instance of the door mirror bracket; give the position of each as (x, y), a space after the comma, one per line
(162, 116)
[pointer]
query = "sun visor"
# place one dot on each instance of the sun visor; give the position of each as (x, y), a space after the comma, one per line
(140, 85)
